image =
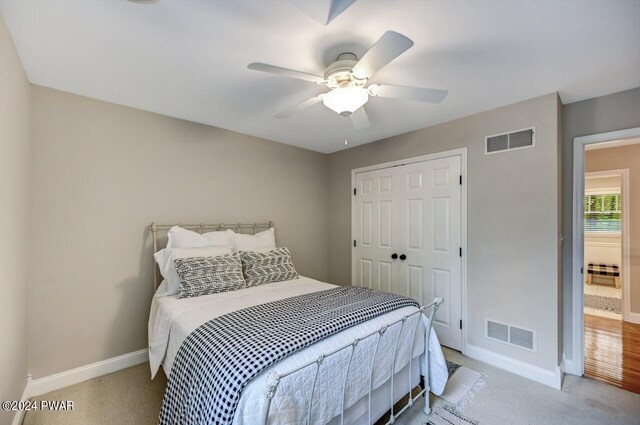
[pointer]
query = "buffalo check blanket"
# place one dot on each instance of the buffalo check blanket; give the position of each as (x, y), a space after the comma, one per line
(217, 360)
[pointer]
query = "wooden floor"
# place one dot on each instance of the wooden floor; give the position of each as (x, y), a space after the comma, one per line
(612, 352)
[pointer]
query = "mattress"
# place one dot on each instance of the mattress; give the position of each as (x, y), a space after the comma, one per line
(171, 320)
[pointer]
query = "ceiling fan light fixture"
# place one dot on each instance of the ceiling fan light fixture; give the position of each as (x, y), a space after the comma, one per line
(346, 101)
(348, 76)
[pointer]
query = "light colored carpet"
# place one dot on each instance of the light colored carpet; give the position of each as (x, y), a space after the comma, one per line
(129, 397)
(511, 399)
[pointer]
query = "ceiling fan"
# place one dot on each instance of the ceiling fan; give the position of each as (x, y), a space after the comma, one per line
(348, 77)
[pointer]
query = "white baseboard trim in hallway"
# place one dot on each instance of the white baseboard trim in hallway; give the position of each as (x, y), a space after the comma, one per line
(84, 373)
(535, 373)
(633, 317)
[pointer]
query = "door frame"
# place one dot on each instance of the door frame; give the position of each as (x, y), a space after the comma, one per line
(575, 364)
(462, 153)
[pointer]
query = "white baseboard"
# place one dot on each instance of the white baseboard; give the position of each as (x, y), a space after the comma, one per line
(84, 373)
(633, 317)
(535, 373)
(19, 416)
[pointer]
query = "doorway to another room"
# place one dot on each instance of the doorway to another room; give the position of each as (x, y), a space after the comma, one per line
(603, 238)
(607, 253)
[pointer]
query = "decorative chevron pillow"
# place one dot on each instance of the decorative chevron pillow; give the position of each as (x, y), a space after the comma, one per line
(209, 275)
(265, 267)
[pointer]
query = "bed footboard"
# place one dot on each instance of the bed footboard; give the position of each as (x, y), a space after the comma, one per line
(273, 380)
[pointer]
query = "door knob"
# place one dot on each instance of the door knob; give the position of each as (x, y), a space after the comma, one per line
(403, 257)
(394, 256)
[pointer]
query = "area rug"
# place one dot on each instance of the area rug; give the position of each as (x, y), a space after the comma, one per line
(448, 415)
(462, 390)
(603, 303)
(463, 384)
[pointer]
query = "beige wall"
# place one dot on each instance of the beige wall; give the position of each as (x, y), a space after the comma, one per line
(613, 112)
(614, 159)
(512, 197)
(103, 172)
(15, 193)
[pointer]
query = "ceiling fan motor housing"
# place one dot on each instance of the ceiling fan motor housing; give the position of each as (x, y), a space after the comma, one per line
(338, 74)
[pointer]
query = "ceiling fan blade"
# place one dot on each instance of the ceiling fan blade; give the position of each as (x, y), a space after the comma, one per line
(387, 48)
(360, 119)
(285, 72)
(323, 11)
(411, 93)
(300, 106)
(337, 7)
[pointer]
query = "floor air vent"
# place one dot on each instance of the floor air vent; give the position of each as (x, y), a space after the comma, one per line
(518, 337)
(510, 141)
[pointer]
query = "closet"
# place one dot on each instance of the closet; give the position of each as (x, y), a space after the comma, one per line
(407, 235)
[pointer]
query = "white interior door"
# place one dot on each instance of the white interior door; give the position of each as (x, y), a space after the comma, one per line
(413, 211)
(378, 229)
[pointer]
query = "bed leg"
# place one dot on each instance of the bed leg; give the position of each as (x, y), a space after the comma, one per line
(427, 376)
(426, 409)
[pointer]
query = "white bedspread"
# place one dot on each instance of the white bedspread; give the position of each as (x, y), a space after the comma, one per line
(171, 320)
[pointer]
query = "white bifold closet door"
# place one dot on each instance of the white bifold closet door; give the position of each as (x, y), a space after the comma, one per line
(413, 211)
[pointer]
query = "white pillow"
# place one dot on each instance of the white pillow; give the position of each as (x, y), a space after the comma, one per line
(220, 238)
(259, 241)
(162, 289)
(165, 258)
(183, 238)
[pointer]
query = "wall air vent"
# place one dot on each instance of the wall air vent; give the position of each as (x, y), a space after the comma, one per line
(497, 331)
(519, 139)
(511, 335)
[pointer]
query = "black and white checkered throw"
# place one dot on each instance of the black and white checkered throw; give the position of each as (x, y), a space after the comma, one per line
(219, 358)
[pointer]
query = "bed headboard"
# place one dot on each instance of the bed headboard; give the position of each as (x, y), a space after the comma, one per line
(159, 233)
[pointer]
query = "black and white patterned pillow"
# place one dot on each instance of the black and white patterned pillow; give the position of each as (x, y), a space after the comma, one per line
(209, 275)
(265, 267)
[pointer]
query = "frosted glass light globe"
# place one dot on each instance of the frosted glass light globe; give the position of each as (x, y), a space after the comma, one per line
(346, 101)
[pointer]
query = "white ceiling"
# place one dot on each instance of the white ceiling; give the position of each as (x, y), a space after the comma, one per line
(188, 59)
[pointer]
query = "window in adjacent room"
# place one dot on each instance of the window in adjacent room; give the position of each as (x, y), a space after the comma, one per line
(602, 213)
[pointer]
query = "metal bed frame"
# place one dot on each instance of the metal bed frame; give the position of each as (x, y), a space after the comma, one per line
(274, 378)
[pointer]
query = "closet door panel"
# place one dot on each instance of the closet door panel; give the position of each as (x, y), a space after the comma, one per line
(430, 219)
(442, 247)
(376, 230)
